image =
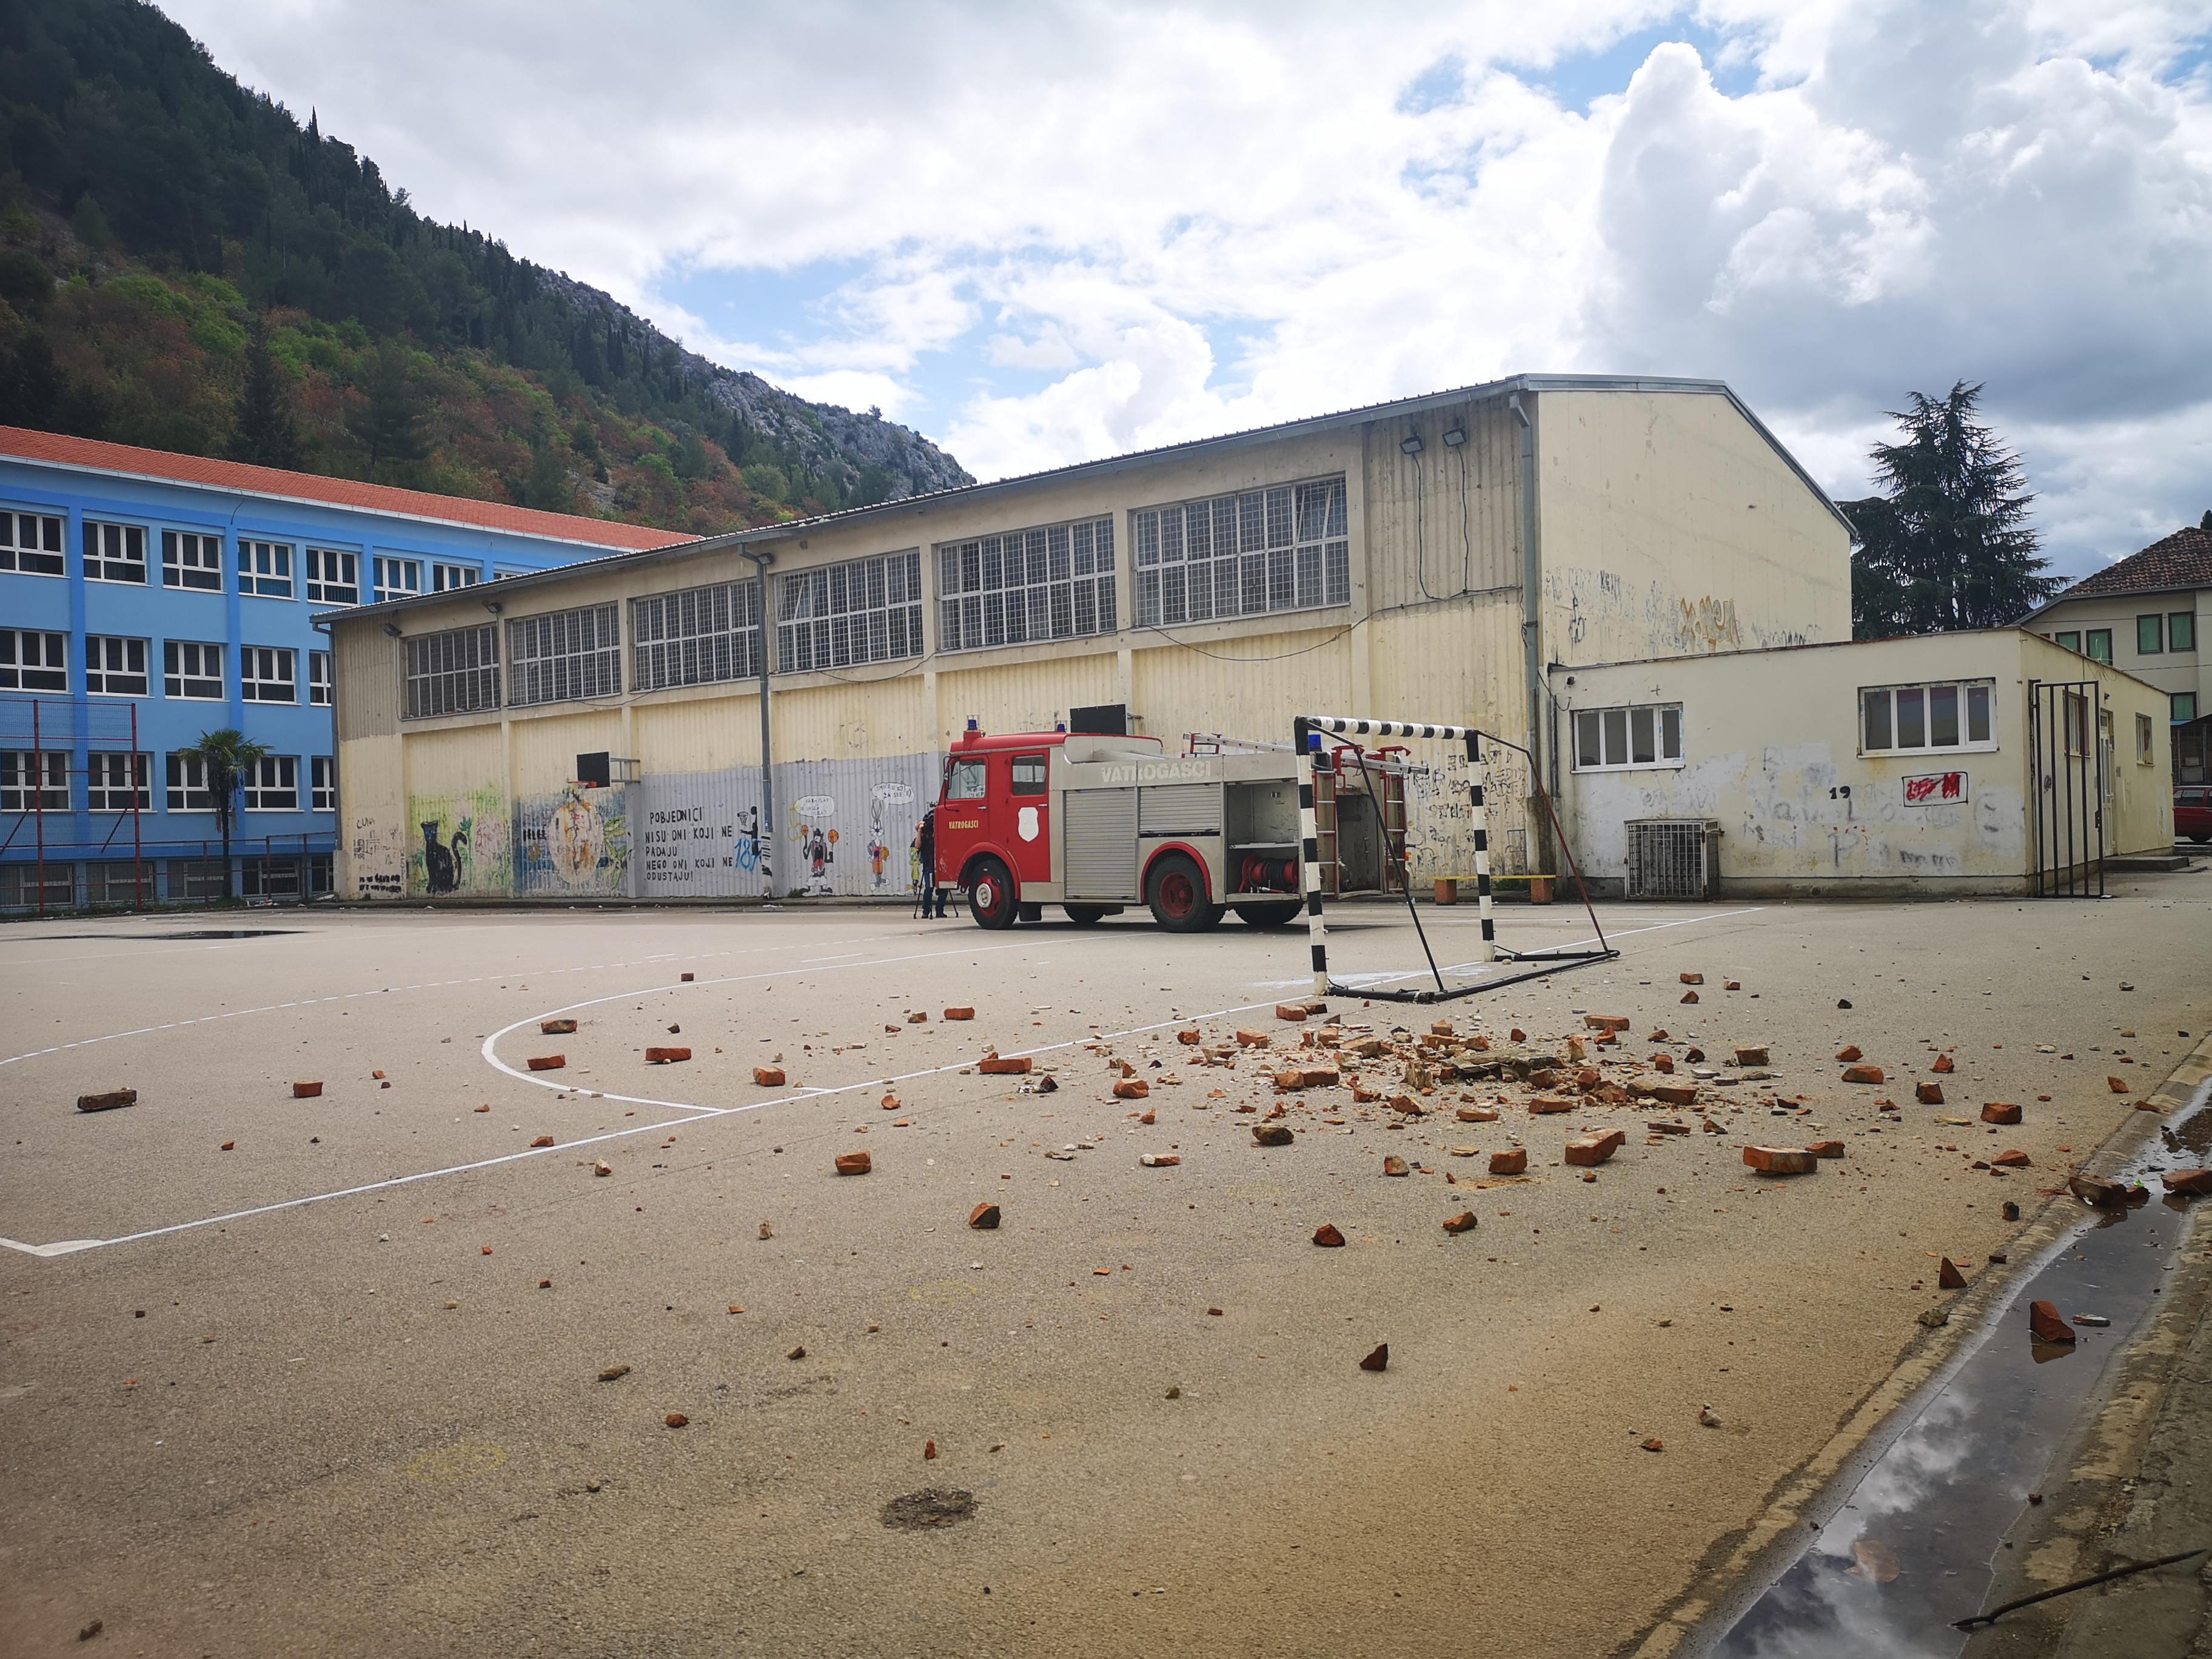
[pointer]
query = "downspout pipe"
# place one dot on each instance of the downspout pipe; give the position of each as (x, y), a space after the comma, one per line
(761, 560)
(1532, 623)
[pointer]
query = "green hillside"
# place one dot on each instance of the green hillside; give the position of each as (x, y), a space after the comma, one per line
(183, 265)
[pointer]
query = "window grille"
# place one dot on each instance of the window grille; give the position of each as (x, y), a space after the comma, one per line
(564, 655)
(32, 780)
(192, 669)
(272, 784)
(192, 559)
(33, 660)
(454, 673)
(269, 673)
(20, 886)
(114, 668)
(333, 575)
(115, 552)
(1247, 554)
(30, 543)
(1056, 582)
(841, 616)
(198, 878)
(1673, 859)
(265, 567)
(118, 882)
(115, 783)
(695, 637)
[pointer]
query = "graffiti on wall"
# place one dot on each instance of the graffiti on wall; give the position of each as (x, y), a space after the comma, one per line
(460, 844)
(379, 859)
(1440, 815)
(1613, 616)
(576, 841)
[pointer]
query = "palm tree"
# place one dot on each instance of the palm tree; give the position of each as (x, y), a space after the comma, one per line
(227, 759)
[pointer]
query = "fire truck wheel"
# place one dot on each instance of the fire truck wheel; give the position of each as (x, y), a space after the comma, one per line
(991, 898)
(1268, 915)
(1083, 915)
(1177, 892)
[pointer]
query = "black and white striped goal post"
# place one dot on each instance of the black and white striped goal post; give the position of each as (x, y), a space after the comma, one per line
(1307, 731)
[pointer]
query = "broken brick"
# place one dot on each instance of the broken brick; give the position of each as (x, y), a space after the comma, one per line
(228, 1145)
(1477, 1114)
(601, 1166)
(1515, 1161)
(2012, 1158)
(960, 1013)
(1272, 1134)
(547, 1062)
(614, 1373)
(1190, 1038)
(666, 1056)
(1132, 1088)
(769, 1076)
(919, 1017)
(1605, 1022)
(1293, 1011)
(1254, 1040)
(1169, 1160)
(1780, 1160)
(1948, 1277)
(307, 1090)
(1589, 1150)
(1928, 1094)
(1327, 1237)
(1377, 1361)
(1693, 979)
(676, 1419)
(1004, 1065)
(1827, 1149)
(2116, 1085)
(1395, 1165)
(984, 1218)
(1751, 1055)
(2097, 1191)
(1999, 1111)
(1689, 996)
(1549, 1105)
(1461, 1223)
(1732, 985)
(1675, 1094)
(555, 1027)
(1863, 1074)
(379, 1076)
(2192, 1183)
(1407, 1105)
(855, 1164)
(1663, 1063)
(2043, 1320)
(543, 1140)
(1849, 1053)
(1655, 1444)
(1943, 1065)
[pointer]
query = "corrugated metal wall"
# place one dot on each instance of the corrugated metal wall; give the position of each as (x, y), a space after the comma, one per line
(1028, 696)
(1445, 521)
(1249, 687)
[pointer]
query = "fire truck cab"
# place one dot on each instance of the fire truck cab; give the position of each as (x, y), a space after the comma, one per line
(1096, 825)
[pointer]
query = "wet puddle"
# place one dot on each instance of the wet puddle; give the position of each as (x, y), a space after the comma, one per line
(1911, 1548)
(194, 933)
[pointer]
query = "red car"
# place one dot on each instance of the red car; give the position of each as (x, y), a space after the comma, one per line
(2192, 812)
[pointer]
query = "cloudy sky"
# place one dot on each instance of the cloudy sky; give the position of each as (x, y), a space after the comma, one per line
(1044, 233)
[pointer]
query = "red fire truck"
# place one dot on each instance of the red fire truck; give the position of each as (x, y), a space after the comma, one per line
(1096, 825)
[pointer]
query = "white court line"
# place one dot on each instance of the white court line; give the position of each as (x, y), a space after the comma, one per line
(699, 1113)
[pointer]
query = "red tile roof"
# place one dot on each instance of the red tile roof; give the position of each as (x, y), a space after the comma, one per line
(2181, 559)
(55, 448)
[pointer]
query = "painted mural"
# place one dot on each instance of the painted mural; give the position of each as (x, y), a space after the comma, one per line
(575, 843)
(460, 845)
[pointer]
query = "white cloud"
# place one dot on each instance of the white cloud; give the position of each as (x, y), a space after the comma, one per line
(1186, 220)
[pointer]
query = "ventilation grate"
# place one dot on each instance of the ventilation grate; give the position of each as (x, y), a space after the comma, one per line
(1673, 859)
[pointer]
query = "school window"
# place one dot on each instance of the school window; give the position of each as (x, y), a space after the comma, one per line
(2070, 640)
(2181, 631)
(445, 578)
(192, 559)
(333, 575)
(2143, 730)
(1638, 734)
(501, 573)
(272, 784)
(397, 579)
(1284, 548)
(268, 673)
(265, 569)
(695, 636)
(117, 882)
(192, 670)
(564, 655)
(2185, 707)
(843, 615)
(115, 552)
(187, 790)
(2098, 645)
(114, 668)
(1911, 720)
(323, 783)
(33, 660)
(1028, 775)
(1052, 583)
(31, 780)
(2150, 635)
(452, 673)
(118, 783)
(318, 678)
(30, 543)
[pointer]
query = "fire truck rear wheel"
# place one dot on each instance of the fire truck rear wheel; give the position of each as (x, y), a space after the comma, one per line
(1268, 915)
(991, 898)
(1176, 893)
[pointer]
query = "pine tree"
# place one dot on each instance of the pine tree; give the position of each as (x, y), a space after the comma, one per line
(266, 434)
(388, 420)
(546, 485)
(1947, 544)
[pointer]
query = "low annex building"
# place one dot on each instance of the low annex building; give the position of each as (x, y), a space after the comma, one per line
(1426, 557)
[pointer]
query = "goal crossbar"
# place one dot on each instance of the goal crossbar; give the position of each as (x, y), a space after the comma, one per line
(1307, 731)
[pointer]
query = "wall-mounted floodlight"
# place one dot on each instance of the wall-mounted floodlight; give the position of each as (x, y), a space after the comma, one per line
(1411, 446)
(494, 606)
(1454, 437)
(391, 629)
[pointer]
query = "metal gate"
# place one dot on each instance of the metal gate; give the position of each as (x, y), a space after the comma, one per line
(2071, 771)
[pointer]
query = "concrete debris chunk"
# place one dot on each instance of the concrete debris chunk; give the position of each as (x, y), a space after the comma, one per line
(1863, 1074)
(1272, 1134)
(1999, 1111)
(984, 1218)
(769, 1076)
(1751, 1055)
(1395, 1165)
(855, 1164)
(547, 1062)
(2043, 1320)
(1004, 1066)
(1327, 1237)
(601, 1166)
(1780, 1160)
(614, 1373)
(1589, 1150)
(1169, 1160)
(1933, 1318)
(2010, 1211)
(1377, 1361)
(666, 1056)
(1948, 1277)
(555, 1027)
(798, 1352)
(768, 1229)
(1462, 1223)
(114, 1099)
(307, 1090)
(1510, 1163)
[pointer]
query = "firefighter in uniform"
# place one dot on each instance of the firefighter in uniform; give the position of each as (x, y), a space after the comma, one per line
(926, 850)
